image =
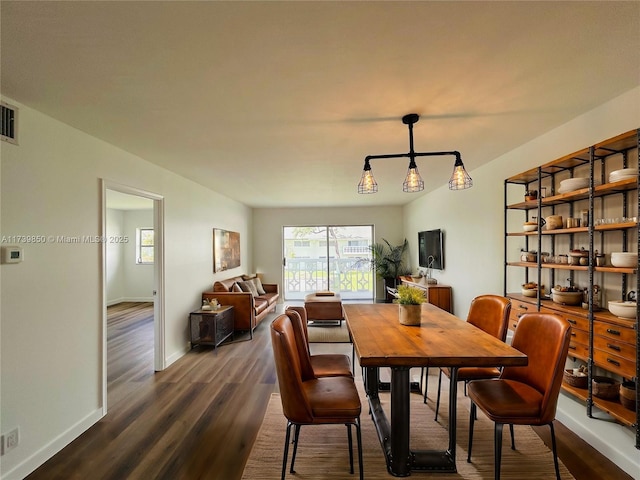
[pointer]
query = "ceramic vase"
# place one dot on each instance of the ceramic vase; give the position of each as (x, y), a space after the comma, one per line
(410, 314)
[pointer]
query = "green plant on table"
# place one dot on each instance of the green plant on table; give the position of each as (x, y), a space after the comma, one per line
(408, 295)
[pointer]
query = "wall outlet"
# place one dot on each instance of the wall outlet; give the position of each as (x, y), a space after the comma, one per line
(10, 440)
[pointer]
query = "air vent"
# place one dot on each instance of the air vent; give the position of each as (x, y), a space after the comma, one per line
(8, 123)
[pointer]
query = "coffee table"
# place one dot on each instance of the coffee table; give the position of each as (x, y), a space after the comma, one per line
(322, 307)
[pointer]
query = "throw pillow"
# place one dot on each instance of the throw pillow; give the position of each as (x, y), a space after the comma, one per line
(248, 287)
(258, 284)
(236, 288)
(249, 277)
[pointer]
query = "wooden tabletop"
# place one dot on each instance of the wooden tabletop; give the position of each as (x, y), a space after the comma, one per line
(442, 339)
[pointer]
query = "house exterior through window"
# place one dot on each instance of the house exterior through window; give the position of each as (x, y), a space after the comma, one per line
(145, 246)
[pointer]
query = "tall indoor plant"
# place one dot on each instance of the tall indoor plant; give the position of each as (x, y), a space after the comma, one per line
(389, 262)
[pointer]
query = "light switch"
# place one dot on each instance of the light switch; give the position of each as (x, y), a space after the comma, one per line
(11, 254)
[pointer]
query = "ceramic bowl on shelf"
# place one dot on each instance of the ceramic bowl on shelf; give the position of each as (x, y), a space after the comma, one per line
(623, 309)
(572, 184)
(623, 174)
(532, 292)
(530, 227)
(554, 221)
(624, 259)
(566, 298)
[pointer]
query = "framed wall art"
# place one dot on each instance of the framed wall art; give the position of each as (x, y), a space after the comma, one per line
(226, 250)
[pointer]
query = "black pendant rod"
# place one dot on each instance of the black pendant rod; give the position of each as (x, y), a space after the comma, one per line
(409, 120)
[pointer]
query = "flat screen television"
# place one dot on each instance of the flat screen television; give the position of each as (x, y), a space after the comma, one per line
(431, 249)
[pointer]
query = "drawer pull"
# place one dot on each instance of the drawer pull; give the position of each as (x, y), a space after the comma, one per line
(572, 322)
(616, 363)
(572, 347)
(524, 307)
(573, 334)
(613, 332)
(613, 347)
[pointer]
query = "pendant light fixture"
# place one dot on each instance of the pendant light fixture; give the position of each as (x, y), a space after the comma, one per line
(413, 182)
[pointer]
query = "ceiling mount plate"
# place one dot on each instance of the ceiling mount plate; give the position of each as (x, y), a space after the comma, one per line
(410, 118)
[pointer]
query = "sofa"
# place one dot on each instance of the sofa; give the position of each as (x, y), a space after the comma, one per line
(250, 306)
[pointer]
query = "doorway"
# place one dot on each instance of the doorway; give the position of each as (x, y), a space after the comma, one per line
(328, 257)
(127, 245)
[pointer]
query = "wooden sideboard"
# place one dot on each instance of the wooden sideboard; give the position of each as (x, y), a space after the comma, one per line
(436, 294)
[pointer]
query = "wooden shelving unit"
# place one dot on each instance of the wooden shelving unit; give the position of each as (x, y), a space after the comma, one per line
(603, 341)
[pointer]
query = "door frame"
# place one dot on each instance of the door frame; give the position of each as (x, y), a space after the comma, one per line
(159, 362)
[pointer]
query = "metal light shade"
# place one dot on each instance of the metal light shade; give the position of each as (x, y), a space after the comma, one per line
(367, 182)
(413, 182)
(460, 179)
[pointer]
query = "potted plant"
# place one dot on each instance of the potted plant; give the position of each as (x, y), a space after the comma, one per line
(409, 300)
(389, 262)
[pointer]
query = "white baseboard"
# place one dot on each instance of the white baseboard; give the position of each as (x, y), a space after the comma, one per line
(177, 355)
(611, 439)
(30, 464)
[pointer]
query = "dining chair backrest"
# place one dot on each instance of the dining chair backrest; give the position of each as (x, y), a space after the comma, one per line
(302, 344)
(544, 338)
(490, 313)
(294, 402)
(302, 312)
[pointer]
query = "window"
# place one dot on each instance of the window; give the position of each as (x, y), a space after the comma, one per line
(144, 246)
(327, 257)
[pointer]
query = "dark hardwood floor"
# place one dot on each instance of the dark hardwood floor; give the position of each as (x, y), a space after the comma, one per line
(199, 418)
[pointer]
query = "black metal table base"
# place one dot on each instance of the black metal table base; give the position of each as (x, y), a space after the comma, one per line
(394, 434)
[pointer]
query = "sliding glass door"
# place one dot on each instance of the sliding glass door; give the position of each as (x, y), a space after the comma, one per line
(327, 257)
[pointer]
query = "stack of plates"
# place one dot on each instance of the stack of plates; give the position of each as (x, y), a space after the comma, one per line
(571, 184)
(623, 174)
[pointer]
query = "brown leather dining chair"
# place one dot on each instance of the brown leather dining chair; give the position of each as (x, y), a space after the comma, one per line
(323, 364)
(489, 313)
(309, 400)
(525, 395)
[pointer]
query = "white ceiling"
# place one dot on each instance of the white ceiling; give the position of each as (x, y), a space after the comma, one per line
(277, 103)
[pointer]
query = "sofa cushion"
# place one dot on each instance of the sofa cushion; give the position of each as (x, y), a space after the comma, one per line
(248, 286)
(271, 298)
(260, 305)
(258, 284)
(225, 285)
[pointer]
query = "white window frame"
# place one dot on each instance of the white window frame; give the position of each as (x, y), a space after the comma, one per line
(139, 245)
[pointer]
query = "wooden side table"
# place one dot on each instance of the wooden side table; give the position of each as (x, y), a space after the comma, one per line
(211, 327)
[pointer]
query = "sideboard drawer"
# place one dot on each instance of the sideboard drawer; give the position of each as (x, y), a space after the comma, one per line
(614, 332)
(519, 308)
(577, 323)
(615, 347)
(578, 350)
(614, 363)
(579, 336)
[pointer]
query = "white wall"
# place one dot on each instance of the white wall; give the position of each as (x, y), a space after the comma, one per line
(114, 268)
(269, 222)
(51, 358)
(138, 278)
(473, 222)
(127, 281)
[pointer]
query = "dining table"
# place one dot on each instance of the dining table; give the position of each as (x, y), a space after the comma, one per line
(441, 340)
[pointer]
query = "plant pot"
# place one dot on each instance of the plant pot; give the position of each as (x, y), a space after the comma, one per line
(410, 315)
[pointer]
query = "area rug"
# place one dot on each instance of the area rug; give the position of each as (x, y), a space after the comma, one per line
(328, 333)
(323, 454)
